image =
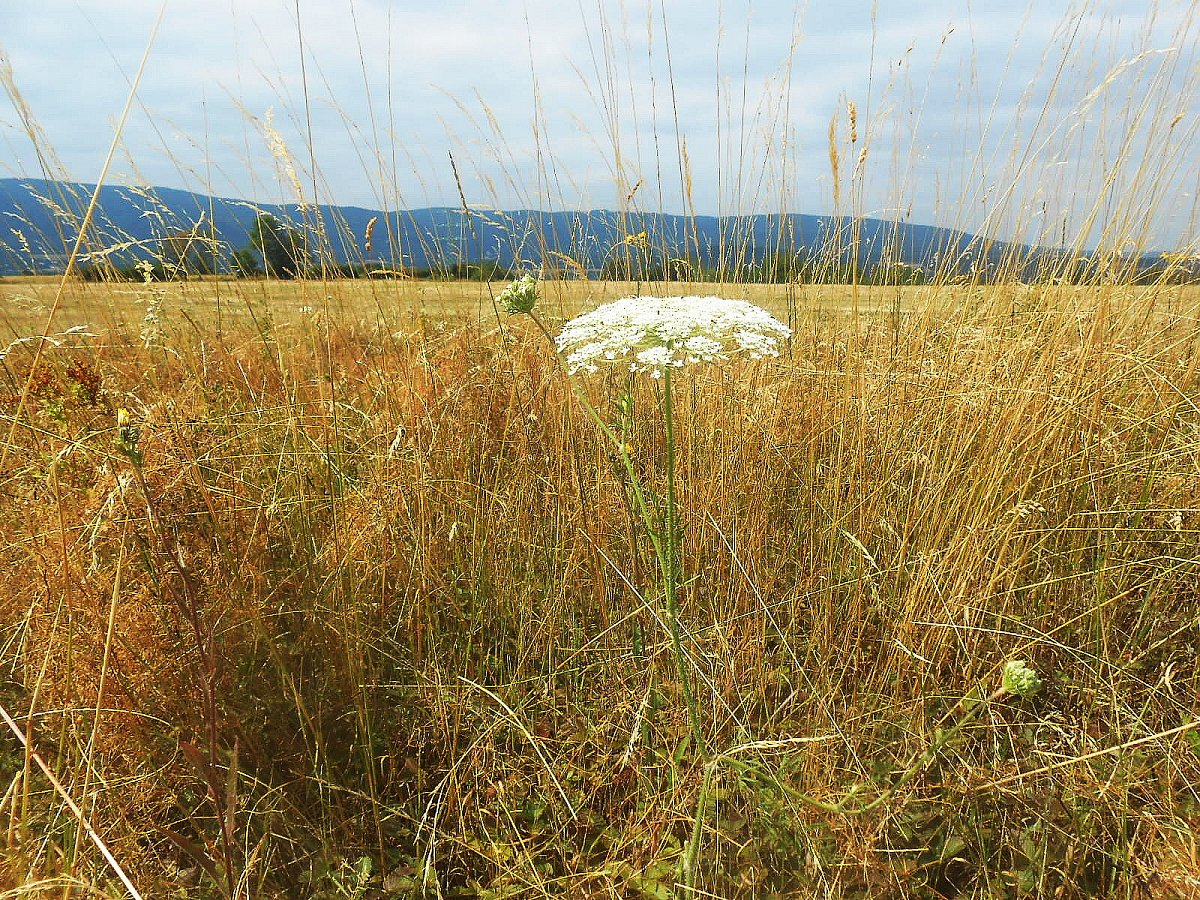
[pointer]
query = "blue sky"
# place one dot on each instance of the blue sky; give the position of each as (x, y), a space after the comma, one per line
(1027, 121)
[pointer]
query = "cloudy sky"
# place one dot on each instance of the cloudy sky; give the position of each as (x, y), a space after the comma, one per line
(1032, 121)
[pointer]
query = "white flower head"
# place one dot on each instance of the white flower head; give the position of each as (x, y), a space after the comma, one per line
(653, 334)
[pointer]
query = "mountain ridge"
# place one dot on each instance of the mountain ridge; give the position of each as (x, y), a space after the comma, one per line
(39, 223)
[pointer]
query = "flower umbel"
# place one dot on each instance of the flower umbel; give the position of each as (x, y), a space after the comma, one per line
(654, 333)
(520, 296)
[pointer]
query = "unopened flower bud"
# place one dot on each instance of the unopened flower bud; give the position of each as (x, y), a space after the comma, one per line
(520, 296)
(128, 436)
(1020, 680)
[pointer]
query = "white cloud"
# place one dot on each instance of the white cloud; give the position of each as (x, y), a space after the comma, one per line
(942, 87)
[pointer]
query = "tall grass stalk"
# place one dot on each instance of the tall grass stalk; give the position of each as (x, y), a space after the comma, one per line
(671, 566)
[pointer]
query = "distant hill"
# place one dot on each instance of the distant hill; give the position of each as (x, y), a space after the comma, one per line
(39, 223)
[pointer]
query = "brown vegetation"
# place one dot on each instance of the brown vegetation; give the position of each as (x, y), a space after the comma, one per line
(366, 584)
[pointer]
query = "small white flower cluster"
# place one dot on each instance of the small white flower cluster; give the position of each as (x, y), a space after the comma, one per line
(654, 333)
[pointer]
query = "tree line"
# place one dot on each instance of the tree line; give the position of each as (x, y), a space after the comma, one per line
(276, 249)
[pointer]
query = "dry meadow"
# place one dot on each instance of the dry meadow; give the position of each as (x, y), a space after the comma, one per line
(333, 590)
(347, 590)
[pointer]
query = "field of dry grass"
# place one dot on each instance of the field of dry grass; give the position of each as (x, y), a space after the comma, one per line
(354, 601)
(25, 302)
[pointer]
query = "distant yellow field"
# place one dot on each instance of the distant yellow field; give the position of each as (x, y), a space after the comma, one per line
(25, 303)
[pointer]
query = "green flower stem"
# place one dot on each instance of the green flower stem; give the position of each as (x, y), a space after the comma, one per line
(671, 573)
(665, 540)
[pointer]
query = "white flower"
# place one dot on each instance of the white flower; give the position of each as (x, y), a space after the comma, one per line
(656, 333)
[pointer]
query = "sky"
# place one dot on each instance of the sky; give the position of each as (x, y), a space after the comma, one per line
(1050, 122)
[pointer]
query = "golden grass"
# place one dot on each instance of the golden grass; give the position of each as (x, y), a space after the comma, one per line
(25, 301)
(372, 588)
